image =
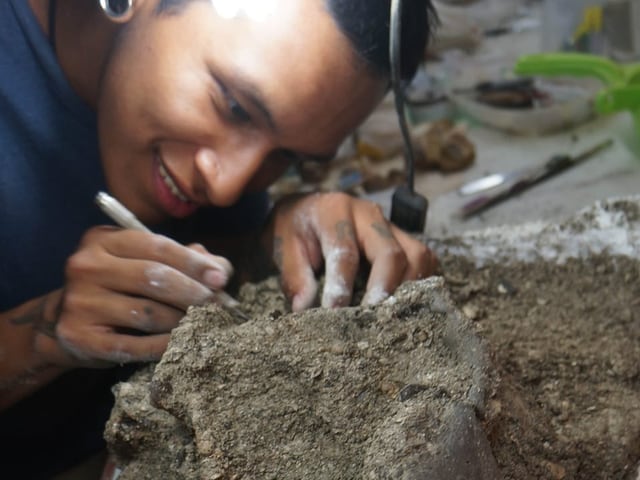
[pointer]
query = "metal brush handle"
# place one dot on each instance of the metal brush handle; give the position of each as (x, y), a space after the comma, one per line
(395, 34)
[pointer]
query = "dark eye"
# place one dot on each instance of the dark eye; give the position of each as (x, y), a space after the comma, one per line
(236, 112)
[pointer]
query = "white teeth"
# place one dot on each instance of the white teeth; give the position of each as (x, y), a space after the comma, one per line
(168, 181)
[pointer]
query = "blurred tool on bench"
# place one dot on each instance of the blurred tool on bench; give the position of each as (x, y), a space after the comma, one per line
(497, 188)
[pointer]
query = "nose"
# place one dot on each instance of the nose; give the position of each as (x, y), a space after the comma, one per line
(225, 173)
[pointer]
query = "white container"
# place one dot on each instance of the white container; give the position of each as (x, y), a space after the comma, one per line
(570, 100)
(572, 106)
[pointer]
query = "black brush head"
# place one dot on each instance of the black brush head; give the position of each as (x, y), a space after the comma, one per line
(409, 210)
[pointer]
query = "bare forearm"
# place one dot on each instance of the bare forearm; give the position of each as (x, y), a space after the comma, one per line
(26, 332)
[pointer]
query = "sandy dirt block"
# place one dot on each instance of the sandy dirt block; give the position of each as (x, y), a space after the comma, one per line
(395, 391)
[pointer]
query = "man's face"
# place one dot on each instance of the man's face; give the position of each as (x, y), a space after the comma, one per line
(195, 109)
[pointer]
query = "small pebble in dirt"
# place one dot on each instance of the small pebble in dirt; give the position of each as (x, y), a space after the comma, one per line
(471, 312)
(409, 391)
(506, 288)
(557, 471)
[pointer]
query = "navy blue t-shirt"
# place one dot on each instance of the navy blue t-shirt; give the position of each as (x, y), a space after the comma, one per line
(49, 174)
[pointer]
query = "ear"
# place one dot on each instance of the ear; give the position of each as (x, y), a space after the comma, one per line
(118, 11)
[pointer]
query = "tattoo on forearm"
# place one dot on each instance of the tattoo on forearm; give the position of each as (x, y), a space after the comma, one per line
(26, 378)
(382, 229)
(37, 319)
(345, 231)
(32, 317)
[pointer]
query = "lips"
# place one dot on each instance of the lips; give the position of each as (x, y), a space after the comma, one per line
(169, 182)
(171, 198)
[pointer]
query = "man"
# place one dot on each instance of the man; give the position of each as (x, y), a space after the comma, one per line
(185, 110)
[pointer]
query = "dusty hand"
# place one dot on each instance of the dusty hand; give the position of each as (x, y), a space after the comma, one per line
(335, 229)
(125, 290)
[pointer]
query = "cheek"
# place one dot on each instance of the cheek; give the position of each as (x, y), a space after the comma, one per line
(123, 127)
(152, 90)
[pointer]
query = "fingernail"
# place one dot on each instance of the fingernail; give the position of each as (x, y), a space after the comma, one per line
(304, 299)
(335, 294)
(222, 265)
(298, 303)
(374, 296)
(215, 278)
(225, 299)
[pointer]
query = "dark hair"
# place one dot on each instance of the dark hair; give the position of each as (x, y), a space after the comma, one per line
(366, 24)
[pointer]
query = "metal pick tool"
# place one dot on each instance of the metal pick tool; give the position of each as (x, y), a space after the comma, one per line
(524, 179)
(126, 219)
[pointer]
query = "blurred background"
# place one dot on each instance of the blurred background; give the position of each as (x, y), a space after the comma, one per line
(507, 89)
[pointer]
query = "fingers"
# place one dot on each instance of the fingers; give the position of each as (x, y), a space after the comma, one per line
(341, 252)
(305, 288)
(193, 261)
(124, 312)
(102, 326)
(421, 261)
(216, 278)
(93, 330)
(297, 267)
(386, 256)
(317, 236)
(110, 347)
(147, 265)
(155, 281)
(125, 291)
(362, 228)
(395, 257)
(342, 228)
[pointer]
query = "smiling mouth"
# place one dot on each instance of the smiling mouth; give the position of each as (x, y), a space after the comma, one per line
(171, 184)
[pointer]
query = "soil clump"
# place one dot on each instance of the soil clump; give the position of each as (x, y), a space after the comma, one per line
(389, 391)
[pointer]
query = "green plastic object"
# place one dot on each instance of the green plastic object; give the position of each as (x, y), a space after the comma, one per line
(621, 82)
